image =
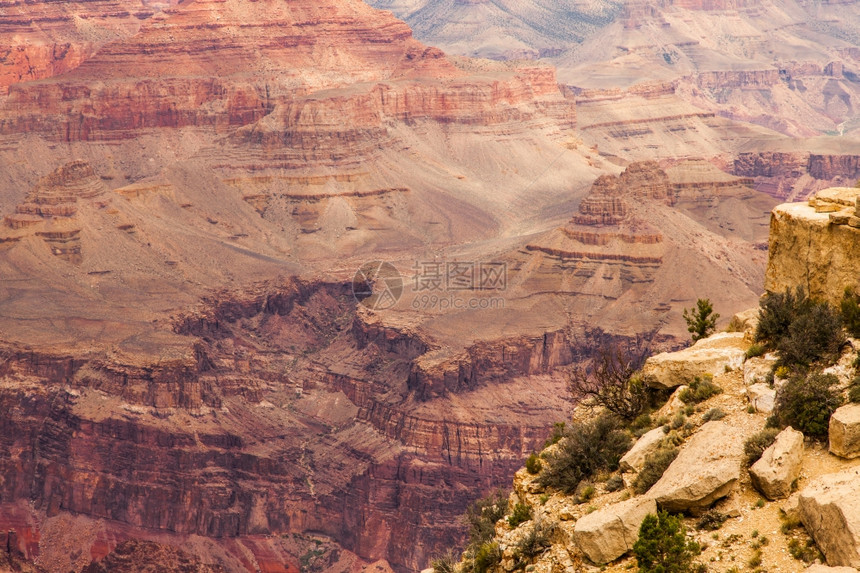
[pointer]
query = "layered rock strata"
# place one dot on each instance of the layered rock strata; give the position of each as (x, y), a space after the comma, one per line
(813, 245)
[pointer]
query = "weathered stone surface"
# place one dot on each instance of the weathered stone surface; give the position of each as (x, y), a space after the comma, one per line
(807, 248)
(673, 405)
(706, 469)
(779, 465)
(609, 533)
(844, 431)
(711, 355)
(830, 512)
(647, 443)
(745, 321)
(761, 397)
(819, 568)
(757, 369)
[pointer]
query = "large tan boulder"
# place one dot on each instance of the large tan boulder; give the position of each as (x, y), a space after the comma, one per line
(762, 397)
(830, 512)
(644, 446)
(779, 465)
(707, 469)
(844, 431)
(756, 369)
(712, 355)
(609, 533)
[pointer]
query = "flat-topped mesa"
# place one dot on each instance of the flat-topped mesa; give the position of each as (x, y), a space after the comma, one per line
(814, 245)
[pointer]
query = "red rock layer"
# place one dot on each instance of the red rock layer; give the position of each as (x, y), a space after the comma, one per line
(50, 38)
(286, 414)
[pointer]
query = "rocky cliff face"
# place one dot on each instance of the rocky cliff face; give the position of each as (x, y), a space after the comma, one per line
(797, 175)
(812, 245)
(287, 413)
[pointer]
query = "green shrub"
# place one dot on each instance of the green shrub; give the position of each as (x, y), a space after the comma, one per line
(533, 464)
(854, 390)
(586, 494)
(755, 559)
(653, 469)
(699, 390)
(446, 563)
(756, 350)
(586, 448)
(756, 444)
(678, 421)
(701, 319)
(807, 402)
(776, 313)
(520, 514)
(557, 434)
(806, 552)
(487, 556)
(712, 520)
(614, 483)
(815, 335)
(533, 543)
(662, 546)
(849, 309)
(713, 414)
(482, 515)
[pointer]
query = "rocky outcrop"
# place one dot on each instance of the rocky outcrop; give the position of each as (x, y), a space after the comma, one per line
(708, 356)
(762, 397)
(757, 369)
(830, 511)
(812, 245)
(609, 533)
(779, 465)
(105, 99)
(46, 39)
(758, 79)
(48, 212)
(133, 556)
(796, 175)
(819, 568)
(603, 232)
(285, 413)
(844, 431)
(634, 460)
(707, 469)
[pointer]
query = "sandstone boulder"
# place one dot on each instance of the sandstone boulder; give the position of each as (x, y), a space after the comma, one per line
(830, 512)
(819, 568)
(762, 397)
(644, 446)
(706, 469)
(712, 355)
(756, 369)
(845, 431)
(779, 465)
(746, 322)
(673, 405)
(609, 533)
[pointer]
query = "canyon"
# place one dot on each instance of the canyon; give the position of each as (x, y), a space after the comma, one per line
(189, 189)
